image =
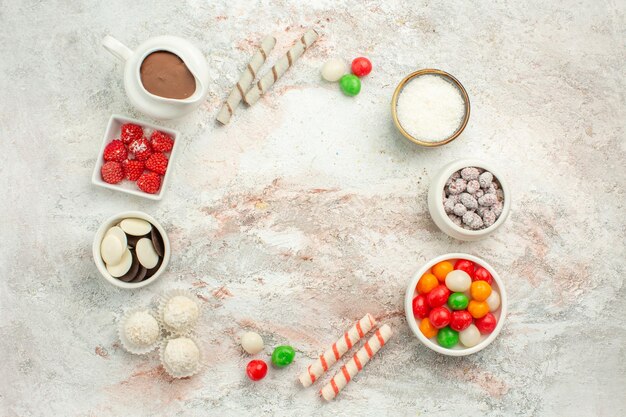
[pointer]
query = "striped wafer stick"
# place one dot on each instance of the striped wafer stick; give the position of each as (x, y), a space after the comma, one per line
(282, 65)
(337, 350)
(249, 74)
(358, 361)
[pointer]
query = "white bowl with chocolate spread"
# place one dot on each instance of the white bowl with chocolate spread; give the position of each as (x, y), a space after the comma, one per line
(165, 77)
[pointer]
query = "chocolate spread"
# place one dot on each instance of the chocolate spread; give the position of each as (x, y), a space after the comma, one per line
(164, 74)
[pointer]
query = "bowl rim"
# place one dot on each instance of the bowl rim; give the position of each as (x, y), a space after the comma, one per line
(458, 164)
(104, 226)
(408, 305)
(429, 71)
(108, 137)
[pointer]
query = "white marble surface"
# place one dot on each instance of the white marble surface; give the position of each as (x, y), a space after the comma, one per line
(309, 209)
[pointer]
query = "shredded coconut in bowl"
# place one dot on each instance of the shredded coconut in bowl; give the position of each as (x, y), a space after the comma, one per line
(430, 108)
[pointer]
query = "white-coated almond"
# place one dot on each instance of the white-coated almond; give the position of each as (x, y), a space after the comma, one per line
(136, 227)
(111, 249)
(123, 266)
(146, 254)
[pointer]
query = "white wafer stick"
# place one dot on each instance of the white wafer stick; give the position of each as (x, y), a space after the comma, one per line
(358, 361)
(337, 350)
(280, 67)
(249, 74)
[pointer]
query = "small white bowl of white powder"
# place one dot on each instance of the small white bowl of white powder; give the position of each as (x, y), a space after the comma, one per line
(430, 107)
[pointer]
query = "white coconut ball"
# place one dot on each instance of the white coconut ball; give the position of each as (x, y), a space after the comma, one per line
(180, 312)
(181, 355)
(141, 329)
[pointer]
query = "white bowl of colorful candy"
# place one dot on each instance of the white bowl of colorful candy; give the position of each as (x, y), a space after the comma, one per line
(456, 304)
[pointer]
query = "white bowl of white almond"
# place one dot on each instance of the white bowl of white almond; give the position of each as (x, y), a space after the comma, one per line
(131, 250)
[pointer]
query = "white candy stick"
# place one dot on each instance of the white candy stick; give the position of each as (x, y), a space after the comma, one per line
(249, 74)
(358, 361)
(337, 350)
(282, 65)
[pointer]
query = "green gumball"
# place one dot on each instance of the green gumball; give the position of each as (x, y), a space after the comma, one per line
(350, 84)
(283, 356)
(458, 301)
(447, 337)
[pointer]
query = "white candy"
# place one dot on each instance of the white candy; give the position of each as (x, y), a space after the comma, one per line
(111, 249)
(470, 336)
(123, 266)
(136, 227)
(334, 69)
(118, 233)
(146, 254)
(252, 343)
(458, 281)
(493, 301)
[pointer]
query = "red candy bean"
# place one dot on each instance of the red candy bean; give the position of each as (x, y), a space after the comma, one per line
(460, 320)
(466, 266)
(438, 296)
(481, 274)
(439, 317)
(486, 324)
(361, 66)
(421, 308)
(256, 369)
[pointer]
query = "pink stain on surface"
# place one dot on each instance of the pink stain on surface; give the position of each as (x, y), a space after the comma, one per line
(486, 381)
(102, 352)
(152, 384)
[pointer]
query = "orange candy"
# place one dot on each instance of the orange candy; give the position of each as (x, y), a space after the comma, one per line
(441, 270)
(480, 290)
(426, 283)
(478, 309)
(427, 329)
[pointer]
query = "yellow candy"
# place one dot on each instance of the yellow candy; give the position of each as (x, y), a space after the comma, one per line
(426, 283)
(441, 270)
(480, 290)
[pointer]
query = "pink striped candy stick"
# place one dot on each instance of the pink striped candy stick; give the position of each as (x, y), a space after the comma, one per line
(358, 361)
(338, 349)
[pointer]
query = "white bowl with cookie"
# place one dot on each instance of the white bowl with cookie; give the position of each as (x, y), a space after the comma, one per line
(131, 250)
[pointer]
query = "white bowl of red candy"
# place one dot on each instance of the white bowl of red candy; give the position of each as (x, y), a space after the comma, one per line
(135, 157)
(456, 304)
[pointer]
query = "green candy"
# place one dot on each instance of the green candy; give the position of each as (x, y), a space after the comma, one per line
(283, 356)
(447, 337)
(458, 301)
(350, 84)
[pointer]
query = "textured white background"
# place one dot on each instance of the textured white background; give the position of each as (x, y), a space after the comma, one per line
(309, 209)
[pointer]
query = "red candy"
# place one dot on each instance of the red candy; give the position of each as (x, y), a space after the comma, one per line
(486, 324)
(460, 320)
(466, 266)
(481, 274)
(130, 132)
(115, 151)
(438, 296)
(256, 370)
(439, 317)
(361, 66)
(421, 308)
